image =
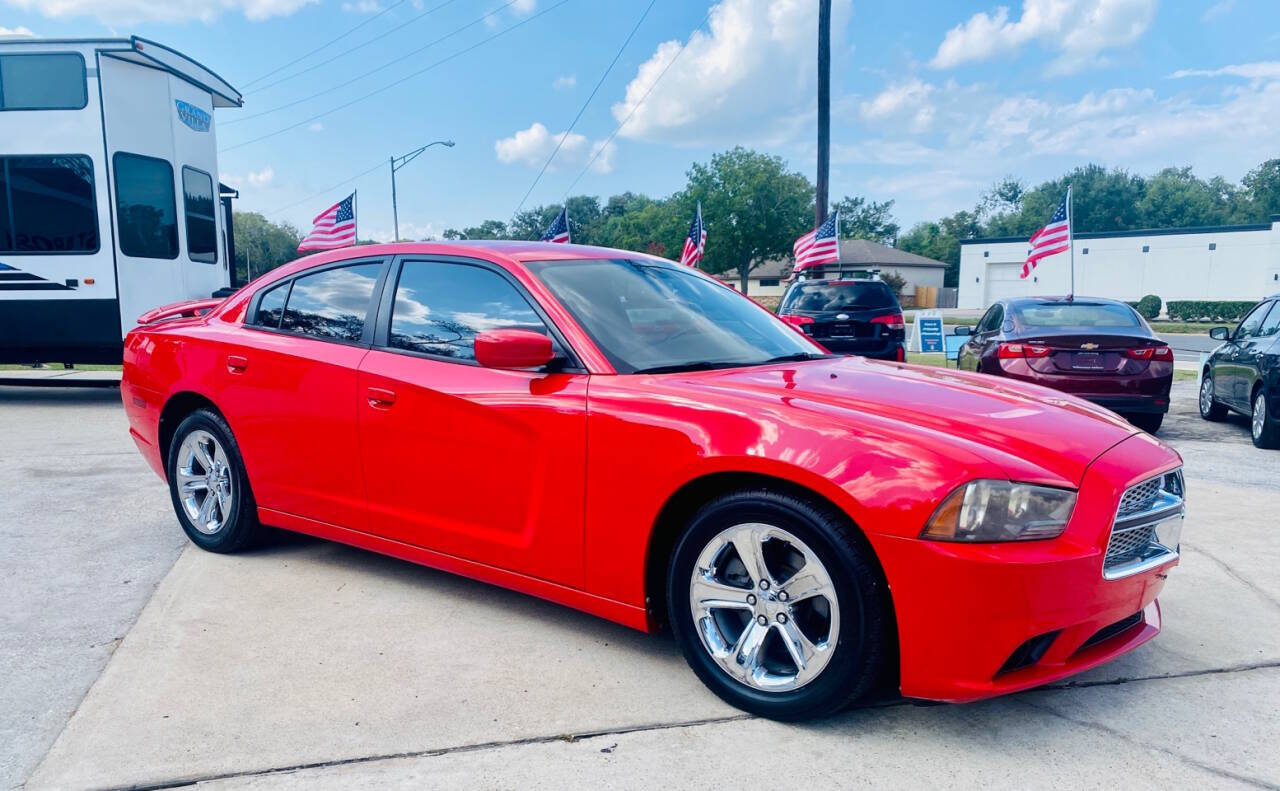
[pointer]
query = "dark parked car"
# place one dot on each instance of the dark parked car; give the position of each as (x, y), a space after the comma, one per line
(1243, 374)
(848, 316)
(1097, 349)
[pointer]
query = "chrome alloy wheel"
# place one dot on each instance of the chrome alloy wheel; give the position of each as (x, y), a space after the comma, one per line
(764, 607)
(1206, 395)
(204, 482)
(1259, 414)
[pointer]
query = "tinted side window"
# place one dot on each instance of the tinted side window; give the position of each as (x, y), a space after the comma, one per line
(992, 321)
(198, 206)
(45, 81)
(1249, 327)
(47, 205)
(1271, 326)
(145, 207)
(271, 306)
(332, 304)
(440, 308)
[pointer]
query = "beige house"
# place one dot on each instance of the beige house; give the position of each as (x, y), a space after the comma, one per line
(770, 278)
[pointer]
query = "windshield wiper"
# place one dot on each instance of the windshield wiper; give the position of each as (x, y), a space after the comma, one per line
(696, 365)
(791, 358)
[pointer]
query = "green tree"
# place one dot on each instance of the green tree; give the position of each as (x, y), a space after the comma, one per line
(584, 220)
(1103, 200)
(754, 208)
(262, 245)
(1176, 198)
(866, 219)
(1261, 192)
(489, 229)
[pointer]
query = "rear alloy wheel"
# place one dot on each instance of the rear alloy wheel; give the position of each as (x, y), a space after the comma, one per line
(777, 605)
(1209, 408)
(1266, 434)
(208, 485)
(1148, 422)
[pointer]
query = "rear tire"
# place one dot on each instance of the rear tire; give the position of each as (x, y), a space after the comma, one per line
(1148, 422)
(208, 485)
(1265, 429)
(1209, 408)
(799, 629)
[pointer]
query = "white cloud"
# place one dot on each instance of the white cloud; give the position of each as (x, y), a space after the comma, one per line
(524, 6)
(1263, 70)
(751, 79)
(15, 32)
(532, 146)
(1217, 9)
(257, 179)
(565, 82)
(316, 126)
(910, 100)
(362, 7)
(125, 12)
(1078, 30)
(408, 230)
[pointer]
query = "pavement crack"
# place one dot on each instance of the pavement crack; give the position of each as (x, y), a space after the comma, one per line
(1110, 682)
(1235, 575)
(1128, 738)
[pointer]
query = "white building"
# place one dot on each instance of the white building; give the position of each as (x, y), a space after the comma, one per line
(1232, 262)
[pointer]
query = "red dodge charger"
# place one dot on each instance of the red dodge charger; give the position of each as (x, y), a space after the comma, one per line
(632, 438)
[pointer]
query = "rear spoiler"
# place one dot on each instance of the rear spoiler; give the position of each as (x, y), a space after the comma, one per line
(188, 309)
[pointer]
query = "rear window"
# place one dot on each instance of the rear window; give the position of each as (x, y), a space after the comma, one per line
(42, 81)
(818, 297)
(333, 303)
(47, 205)
(1076, 315)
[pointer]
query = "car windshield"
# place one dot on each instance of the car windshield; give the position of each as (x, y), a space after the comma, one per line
(1076, 314)
(822, 297)
(651, 318)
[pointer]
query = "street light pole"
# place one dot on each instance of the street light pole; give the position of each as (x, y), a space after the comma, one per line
(399, 162)
(824, 112)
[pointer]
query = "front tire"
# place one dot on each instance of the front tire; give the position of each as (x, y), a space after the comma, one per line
(1209, 408)
(1264, 429)
(778, 605)
(208, 485)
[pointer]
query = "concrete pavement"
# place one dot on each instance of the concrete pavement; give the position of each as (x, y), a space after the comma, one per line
(307, 664)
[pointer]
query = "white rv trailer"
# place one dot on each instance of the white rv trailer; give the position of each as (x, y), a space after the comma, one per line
(109, 197)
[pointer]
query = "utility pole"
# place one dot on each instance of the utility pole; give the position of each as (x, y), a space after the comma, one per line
(824, 112)
(399, 162)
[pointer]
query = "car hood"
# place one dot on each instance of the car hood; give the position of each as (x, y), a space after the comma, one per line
(1009, 423)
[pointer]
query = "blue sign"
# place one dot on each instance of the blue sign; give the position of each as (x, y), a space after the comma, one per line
(954, 342)
(930, 335)
(193, 116)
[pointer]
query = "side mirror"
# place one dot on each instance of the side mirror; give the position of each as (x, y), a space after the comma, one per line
(1220, 333)
(513, 349)
(963, 331)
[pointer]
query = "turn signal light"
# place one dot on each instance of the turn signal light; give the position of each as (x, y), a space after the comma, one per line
(1018, 351)
(1151, 353)
(894, 320)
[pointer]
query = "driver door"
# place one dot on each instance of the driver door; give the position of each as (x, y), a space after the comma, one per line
(478, 463)
(1238, 374)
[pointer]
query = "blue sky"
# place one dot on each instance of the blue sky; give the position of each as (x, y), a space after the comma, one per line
(932, 101)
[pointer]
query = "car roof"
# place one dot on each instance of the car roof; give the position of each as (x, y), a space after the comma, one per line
(1029, 301)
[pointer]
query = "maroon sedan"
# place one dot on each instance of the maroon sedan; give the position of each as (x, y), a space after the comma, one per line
(1098, 349)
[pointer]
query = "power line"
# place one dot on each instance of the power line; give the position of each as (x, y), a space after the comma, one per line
(333, 40)
(326, 189)
(652, 85)
(332, 88)
(349, 50)
(583, 109)
(400, 81)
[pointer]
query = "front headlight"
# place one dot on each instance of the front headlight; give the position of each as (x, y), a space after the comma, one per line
(1001, 511)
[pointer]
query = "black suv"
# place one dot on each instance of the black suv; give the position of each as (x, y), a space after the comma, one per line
(1243, 374)
(848, 316)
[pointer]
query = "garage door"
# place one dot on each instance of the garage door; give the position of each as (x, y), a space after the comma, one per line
(1005, 281)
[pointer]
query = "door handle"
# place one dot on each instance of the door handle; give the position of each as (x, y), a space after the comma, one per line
(236, 364)
(380, 398)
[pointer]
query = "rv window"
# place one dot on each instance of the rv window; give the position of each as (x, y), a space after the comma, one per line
(47, 205)
(145, 208)
(44, 81)
(198, 205)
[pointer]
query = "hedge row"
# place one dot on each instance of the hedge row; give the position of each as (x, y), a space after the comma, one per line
(1208, 310)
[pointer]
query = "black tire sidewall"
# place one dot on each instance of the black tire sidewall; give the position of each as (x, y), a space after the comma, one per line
(240, 526)
(855, 663)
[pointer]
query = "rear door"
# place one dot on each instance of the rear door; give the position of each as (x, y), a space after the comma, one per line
(473, 462)
(290, 391)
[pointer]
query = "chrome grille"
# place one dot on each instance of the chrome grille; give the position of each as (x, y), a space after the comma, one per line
(1135, 544)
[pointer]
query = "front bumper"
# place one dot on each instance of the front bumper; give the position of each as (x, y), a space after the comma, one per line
(965, 611)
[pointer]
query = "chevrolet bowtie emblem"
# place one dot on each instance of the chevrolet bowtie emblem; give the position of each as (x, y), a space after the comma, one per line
(1088, 346)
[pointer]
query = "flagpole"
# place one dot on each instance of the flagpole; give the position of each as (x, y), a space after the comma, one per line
(355, 219)
(1071, 240)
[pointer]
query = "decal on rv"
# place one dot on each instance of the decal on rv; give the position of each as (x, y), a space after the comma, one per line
(193, 116)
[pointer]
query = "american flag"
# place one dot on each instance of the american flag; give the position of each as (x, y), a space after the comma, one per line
(559, 230)
(695, 242)
(334, 227)
(1052, 239)
(819, 246)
